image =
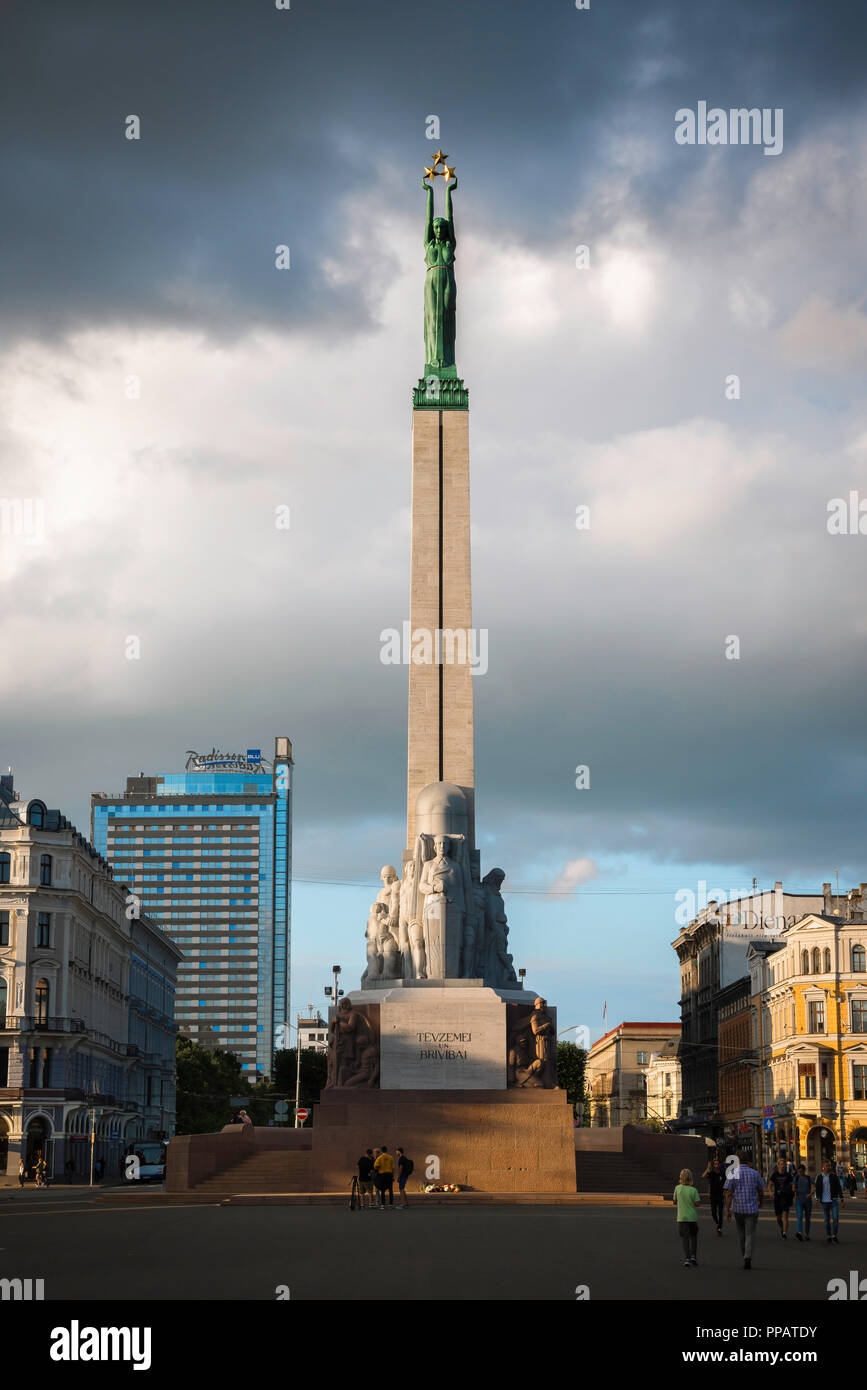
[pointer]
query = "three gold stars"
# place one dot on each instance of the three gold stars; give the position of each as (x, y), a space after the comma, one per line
(447, 171)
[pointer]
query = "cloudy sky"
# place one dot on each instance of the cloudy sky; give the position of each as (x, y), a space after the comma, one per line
(164, 389)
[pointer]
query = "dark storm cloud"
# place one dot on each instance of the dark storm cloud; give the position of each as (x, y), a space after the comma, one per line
(255, 123)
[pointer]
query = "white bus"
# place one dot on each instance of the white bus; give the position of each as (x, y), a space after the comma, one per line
(145, 1161)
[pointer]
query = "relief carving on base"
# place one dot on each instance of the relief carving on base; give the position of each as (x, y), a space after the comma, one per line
(353, 1045)
(532, 1054)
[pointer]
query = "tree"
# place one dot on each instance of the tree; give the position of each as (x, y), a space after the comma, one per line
(207, 1078)
(314, 1068)
(571, 1061)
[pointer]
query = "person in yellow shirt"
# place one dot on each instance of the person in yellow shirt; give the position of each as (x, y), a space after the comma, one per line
(384, 1168)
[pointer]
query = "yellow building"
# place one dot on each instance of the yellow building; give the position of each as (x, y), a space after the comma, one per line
(810, 1019)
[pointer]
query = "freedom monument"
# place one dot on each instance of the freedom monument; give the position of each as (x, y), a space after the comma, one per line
(440, 1049)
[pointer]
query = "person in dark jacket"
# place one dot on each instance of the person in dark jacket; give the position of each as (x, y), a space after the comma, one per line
(782, 1189)
(716, 1178)
(829, 1191)
(365, 1178)
(404, 1169)
(803, 1202)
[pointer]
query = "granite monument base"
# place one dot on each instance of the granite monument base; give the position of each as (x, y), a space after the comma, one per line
(487, 1140)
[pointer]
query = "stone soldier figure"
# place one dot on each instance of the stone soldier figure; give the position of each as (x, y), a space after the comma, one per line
(350, 1041)
(497, 965)
(542, 1028)
(442, 883)
(411, 931)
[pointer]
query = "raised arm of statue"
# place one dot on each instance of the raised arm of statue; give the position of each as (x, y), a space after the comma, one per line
(428, 224)
(450, 188)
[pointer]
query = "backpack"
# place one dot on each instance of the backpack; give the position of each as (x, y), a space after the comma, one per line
(408, 1166)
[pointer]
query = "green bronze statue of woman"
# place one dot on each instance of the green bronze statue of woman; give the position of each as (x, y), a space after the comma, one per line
(440, 290)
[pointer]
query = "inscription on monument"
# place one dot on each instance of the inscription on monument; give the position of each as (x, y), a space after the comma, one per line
(444, 1039)
(447, 1049)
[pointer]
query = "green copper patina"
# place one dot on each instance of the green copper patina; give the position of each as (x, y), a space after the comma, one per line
(440, 388)
(440, 290)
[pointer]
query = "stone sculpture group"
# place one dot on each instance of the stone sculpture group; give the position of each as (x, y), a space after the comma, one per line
(439, 922)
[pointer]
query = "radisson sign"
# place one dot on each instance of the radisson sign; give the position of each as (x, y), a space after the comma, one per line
(215, 761)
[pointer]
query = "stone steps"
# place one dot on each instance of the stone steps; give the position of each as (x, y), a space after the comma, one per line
(279, 1171)
(615, 1173)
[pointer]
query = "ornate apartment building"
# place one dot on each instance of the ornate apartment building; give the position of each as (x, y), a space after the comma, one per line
(810, 1029)
(86, 999)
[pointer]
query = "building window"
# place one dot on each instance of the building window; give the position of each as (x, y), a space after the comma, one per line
(859, 1081)
(805, 962)
(827, 961)
(667, 1079)
(817, 961)
(859, 1015)
(41, 1002)
(5, 862)
(859, 959)
(45, 870)
(668, 1107)
(4, 928)
(43, 929)
(642, 1059)
(808, 1081)
(817, 1016)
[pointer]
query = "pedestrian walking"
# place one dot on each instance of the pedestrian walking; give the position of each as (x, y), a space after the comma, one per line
(69, 1169)
(745, 1193)
(384, 1165)
(782, 1189)
(41, 1172)
(829, 1191)
(22, 1173)
(715, 1174)
(97, 1169)
(404, 1169)
(365, 1178)
(245, 1118)
(851, 1183)
(686, 1198)
(803, 1202)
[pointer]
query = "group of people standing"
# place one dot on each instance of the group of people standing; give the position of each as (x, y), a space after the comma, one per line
(376, 1173)
(738, 1191)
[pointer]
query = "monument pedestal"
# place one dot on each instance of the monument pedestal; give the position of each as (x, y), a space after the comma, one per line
(490, 1141)
(442, 1034)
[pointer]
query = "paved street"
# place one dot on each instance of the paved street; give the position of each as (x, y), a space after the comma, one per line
(95, 1251)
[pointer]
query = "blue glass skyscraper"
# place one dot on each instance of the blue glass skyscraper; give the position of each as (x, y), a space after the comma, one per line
(209, 852)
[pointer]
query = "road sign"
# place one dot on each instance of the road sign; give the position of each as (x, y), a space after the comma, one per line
(301, 1114)
(768, 1125)
(281, 1109)
(768, 1112)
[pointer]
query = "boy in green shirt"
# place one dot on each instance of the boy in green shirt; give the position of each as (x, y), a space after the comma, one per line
(687, 1198)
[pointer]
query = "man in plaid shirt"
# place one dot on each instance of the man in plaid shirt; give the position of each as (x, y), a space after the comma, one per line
(745, 1192)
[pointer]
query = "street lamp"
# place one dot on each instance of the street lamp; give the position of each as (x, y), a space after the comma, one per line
(298, 1062)
(521, 974)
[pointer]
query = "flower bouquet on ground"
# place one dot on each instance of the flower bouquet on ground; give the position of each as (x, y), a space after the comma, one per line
(441, 1187)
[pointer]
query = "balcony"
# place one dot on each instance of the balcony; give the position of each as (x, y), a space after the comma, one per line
(37, 1023)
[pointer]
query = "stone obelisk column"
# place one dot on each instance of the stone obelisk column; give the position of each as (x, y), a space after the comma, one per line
(440, 690)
